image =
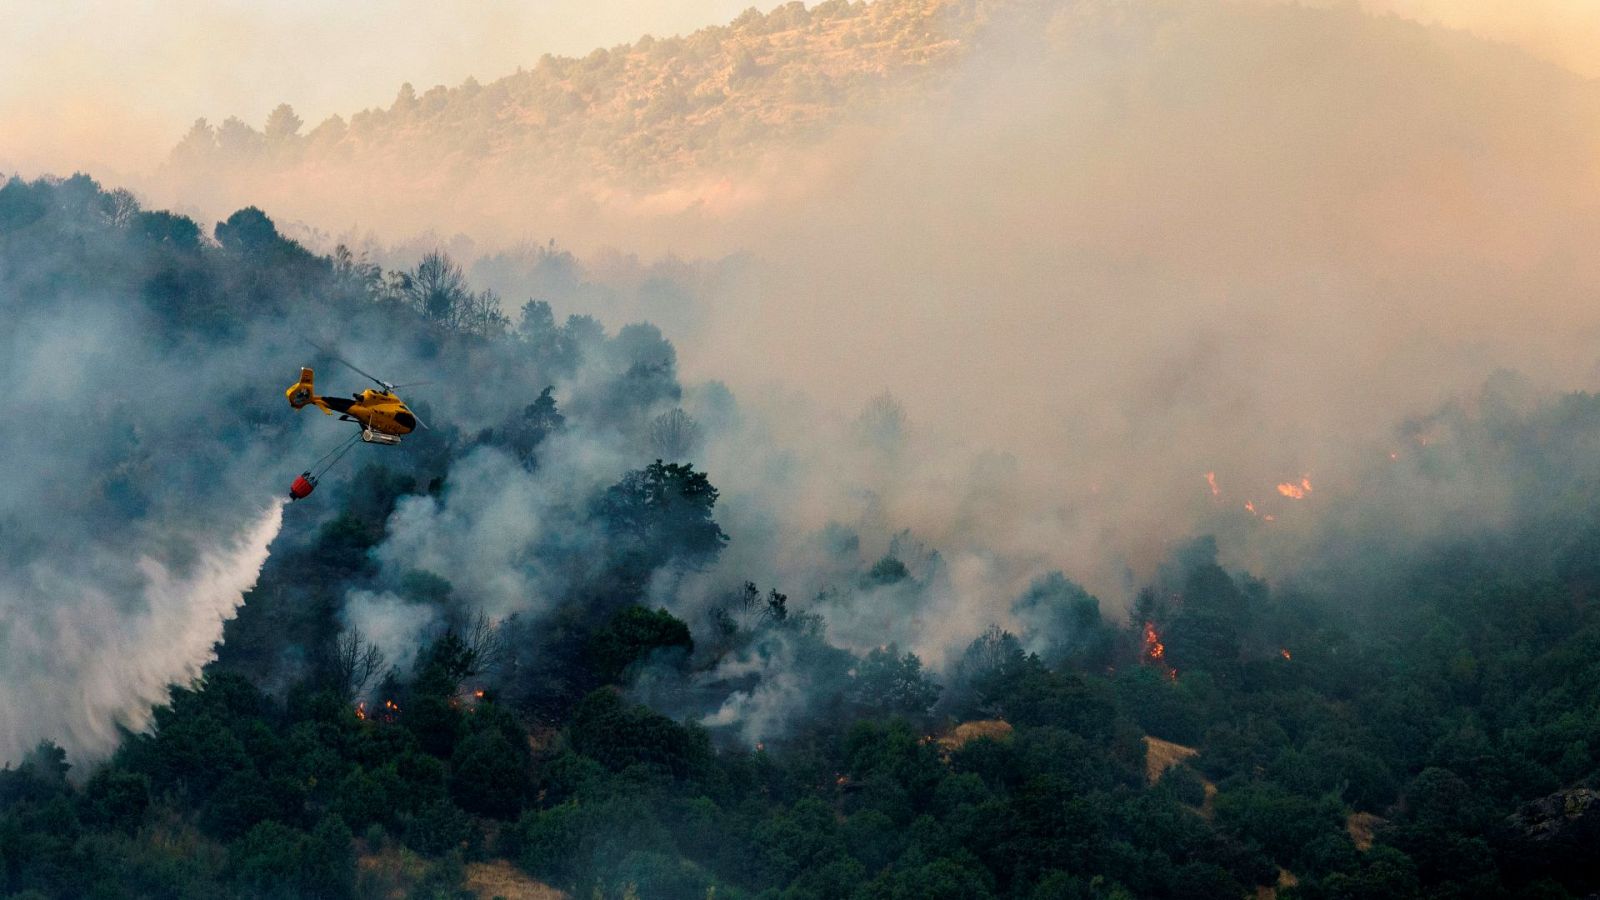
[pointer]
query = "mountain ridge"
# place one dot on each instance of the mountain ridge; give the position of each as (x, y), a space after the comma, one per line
(635, 114)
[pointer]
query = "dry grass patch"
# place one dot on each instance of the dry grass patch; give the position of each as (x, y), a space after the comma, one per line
(392, 873)
(1360, 826)
(993, 729)
(499, 878)
(1159, 756)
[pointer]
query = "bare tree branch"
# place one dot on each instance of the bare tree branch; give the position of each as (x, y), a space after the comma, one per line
(485, 642)
(673, 434)
(355, 662)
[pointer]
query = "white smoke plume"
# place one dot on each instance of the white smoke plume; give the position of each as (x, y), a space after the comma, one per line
(145, 472)
(393, 624)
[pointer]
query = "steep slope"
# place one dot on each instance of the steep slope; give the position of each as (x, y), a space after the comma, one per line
(632, 119)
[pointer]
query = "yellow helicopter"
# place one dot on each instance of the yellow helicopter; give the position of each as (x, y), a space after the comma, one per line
(382, 415)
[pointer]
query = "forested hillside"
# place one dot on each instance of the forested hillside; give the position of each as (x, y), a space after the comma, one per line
(629, 117)
(1418, 720)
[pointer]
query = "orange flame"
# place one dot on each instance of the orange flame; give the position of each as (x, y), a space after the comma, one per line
(1153, 648)
(1285, 654)
(361, 710)
(1250, 508)
(1155, 652)
(1296, 491)
(1211, 479)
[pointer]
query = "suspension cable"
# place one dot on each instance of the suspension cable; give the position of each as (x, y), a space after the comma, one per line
(318, 468)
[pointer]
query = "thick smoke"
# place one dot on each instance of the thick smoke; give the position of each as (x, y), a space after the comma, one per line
(508, 541)
(1142, 244)
(1131, 248)
(1134, 268)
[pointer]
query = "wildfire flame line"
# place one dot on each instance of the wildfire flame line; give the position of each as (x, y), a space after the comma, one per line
(386, 714)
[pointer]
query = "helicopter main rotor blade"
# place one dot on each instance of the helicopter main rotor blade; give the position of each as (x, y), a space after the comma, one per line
(357, 369)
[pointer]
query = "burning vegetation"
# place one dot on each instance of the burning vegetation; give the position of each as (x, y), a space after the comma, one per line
(1154, 652)
(1292, 490)
(1296, 490)
(388, 712)
(648, 784)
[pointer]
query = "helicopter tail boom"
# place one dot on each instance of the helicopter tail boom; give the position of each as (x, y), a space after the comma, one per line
(303, 393)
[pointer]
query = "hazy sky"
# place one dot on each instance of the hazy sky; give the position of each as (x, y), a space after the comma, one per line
(112, 85)
(1563, 31)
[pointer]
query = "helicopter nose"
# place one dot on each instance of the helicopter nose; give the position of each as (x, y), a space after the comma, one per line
(405, 420)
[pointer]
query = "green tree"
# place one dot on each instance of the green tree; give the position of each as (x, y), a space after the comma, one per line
(618, 734)
(891, 683)
(1280, 822)
(661, 514)
(637, 635)
(489, 774)
(248, 232)
(942, 879)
